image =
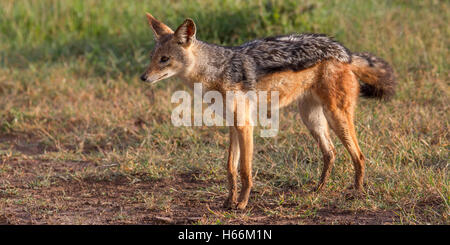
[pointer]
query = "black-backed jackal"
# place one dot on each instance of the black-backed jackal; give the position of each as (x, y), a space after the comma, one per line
(312, 69)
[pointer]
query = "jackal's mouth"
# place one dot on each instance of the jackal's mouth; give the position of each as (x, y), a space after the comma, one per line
(161, 77)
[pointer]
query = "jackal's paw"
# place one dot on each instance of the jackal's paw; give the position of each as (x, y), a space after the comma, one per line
(241, 205)
(230, 203)
(356, 188)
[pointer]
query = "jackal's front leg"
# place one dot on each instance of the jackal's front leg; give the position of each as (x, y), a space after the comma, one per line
(245, 135)
(232, 163)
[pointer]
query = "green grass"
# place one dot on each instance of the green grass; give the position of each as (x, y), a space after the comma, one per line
(69, 91)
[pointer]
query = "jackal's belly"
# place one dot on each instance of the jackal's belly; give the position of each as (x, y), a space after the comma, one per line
(289, 84)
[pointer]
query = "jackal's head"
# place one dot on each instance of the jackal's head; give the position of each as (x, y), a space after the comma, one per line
(171, 54)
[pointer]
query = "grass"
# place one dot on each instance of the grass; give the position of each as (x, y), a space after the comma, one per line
(69, 92)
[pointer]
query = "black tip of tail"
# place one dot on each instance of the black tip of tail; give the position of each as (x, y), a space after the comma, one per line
(384, 93)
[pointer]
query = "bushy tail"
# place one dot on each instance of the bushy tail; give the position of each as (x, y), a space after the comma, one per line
(376, 75)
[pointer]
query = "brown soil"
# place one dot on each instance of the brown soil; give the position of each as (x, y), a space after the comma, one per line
(45, 192)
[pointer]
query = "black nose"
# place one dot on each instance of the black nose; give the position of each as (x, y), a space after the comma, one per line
(144, 77)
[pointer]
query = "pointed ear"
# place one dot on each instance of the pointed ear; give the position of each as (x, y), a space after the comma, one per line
(159, 28)
(185, 33)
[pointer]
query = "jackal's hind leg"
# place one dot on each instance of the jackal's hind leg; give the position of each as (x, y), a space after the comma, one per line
(341, 122)
(338, 91)
(311, 112)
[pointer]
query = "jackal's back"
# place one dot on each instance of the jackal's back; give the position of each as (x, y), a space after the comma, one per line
(293, 52)
(251, 61)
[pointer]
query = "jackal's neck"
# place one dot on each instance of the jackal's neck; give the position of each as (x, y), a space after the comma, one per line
(208, 62)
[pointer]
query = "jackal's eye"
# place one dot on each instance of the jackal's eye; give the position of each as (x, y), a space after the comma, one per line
(164, 59)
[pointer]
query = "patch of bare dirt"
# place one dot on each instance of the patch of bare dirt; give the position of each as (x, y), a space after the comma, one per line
(40, 192)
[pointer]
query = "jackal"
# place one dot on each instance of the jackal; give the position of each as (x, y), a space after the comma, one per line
(323, 76)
